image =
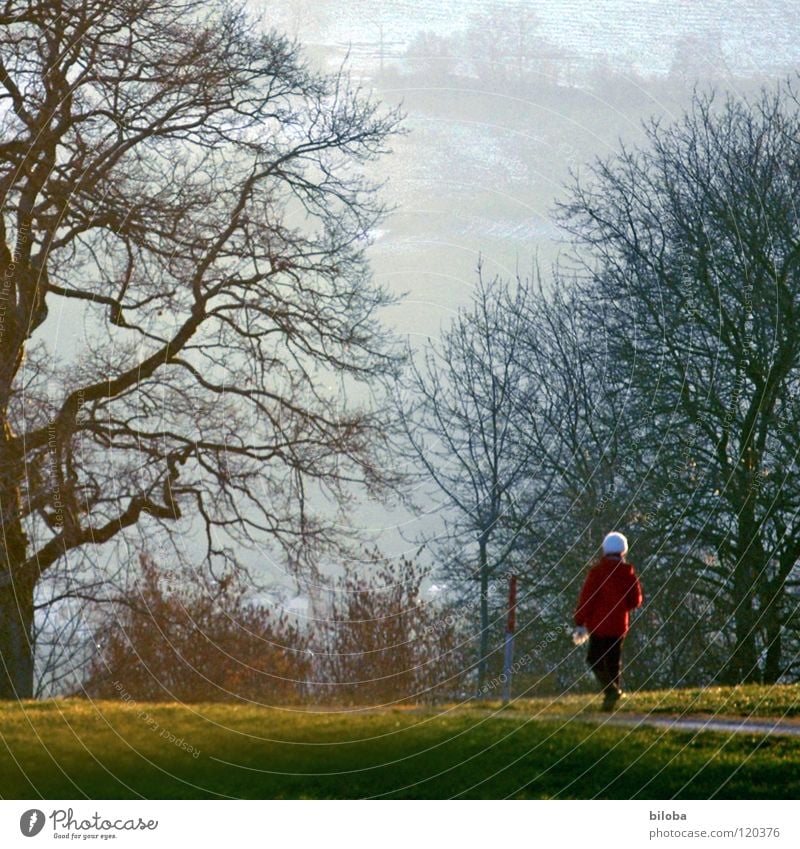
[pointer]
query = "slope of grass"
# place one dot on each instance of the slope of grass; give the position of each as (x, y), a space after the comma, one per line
(750, 700)
(74, 749)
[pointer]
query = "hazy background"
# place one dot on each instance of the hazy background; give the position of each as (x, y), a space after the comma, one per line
(502, 100)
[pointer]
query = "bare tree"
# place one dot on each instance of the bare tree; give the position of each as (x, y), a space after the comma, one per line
(430, 56)
(570, 410)
(503, 46)
(459, 411)
(382, 642)
(179, 182)
(693, 244)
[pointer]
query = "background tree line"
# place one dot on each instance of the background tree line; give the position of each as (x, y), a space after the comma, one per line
(650, 385)
(181, 183)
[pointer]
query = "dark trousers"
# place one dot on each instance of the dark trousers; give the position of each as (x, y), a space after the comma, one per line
(605, 660)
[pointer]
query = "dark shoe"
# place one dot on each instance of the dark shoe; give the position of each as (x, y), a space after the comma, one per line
(611, 698)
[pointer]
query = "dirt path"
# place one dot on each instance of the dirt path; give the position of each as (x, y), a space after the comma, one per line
(723, 724)
(720, 723)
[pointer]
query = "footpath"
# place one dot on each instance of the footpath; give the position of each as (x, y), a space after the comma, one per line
(724, 724)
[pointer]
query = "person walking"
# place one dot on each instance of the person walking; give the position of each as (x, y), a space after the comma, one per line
(611, 590)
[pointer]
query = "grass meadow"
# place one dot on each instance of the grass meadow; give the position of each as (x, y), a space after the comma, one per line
(532, 749)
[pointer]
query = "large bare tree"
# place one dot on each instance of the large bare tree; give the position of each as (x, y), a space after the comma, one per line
(179, 184)
(693, 247)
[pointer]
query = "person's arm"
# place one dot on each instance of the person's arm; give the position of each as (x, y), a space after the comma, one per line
(634, 598)
(585, 599)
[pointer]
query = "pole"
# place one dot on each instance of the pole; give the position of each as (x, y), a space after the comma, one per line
(508, 657)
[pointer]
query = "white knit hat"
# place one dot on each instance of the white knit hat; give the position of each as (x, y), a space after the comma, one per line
(615, 543)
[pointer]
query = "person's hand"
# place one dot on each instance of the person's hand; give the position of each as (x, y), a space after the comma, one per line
(580, 635)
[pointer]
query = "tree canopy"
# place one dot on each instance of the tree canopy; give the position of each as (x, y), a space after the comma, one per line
(178, 180)
(691, 245)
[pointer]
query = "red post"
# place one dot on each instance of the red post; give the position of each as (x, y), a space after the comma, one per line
(511, 623)
(512, 604)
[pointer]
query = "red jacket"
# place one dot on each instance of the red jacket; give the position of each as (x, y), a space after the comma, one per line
(610, 592)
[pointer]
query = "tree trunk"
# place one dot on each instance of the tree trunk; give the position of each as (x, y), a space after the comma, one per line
(483, 657)
(742, 667)
(772, 663)
(16, 596)
(771, 623)
(16, 641)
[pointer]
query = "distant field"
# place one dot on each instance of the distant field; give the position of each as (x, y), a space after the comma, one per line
(74, 749)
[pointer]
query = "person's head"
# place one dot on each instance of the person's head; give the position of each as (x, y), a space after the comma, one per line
(615, 544)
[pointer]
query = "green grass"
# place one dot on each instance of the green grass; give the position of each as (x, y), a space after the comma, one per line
(72, 749)
(751, 700)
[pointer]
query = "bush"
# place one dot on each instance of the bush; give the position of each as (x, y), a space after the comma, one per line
(384, 644)
(172, 640)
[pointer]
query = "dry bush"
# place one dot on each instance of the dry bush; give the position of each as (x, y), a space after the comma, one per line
(171, 640)
(384, 643)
